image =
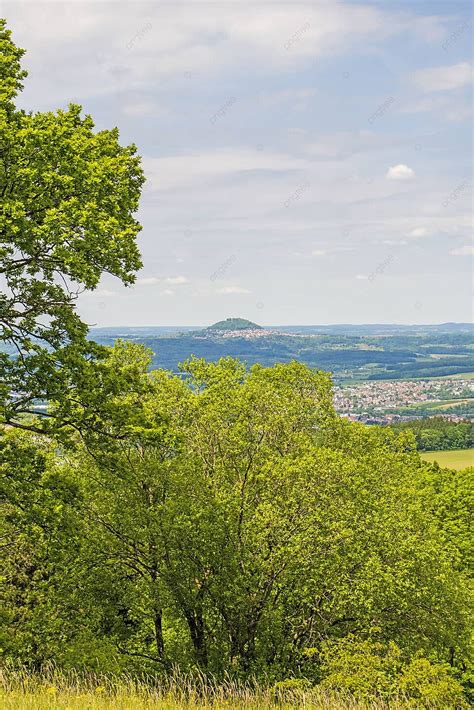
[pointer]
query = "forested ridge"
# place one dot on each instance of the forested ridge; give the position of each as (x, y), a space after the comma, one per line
(225, 522)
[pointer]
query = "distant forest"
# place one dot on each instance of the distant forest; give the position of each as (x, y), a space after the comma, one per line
(398, 356)
(439, 434)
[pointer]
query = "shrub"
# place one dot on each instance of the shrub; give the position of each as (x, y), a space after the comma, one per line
(363, 668)
(431, 684)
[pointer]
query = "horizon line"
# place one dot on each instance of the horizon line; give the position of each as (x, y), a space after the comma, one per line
(290, 325)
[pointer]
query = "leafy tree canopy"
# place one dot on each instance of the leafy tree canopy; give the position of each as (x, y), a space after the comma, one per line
(233, 521)
(69, 194)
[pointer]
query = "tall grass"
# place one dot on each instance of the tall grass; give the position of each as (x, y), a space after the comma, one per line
(51, 689)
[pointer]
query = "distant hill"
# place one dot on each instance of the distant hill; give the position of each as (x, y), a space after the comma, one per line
(234, 324)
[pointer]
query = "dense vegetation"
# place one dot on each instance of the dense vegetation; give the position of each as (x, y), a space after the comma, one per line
(231, 520)
(234, 324)
(224, 522)
(347, 357)
(438, 433)
(68, 198)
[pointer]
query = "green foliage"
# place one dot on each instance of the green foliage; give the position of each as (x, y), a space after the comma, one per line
(11, 74)
(234, 324)
(371, 669)
(431, 685)
(232, 522)
(37, 532)
(68, 199)
(224, 521)
(439, 434)
(365, 668)
(450, 495)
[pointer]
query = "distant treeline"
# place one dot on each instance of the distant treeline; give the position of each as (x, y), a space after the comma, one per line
(385, 358)
(439, 434)
(424, 368)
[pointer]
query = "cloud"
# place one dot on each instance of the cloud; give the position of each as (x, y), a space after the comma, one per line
(141, 107)
(453, 109)
(145, 44)
(297, 97)
(147, 281)
(152, 280)
(176, 280)
(101, 292)
(232, 289)
(167, 292)
(362, 277)
(467, 250)
(418, 232)
(400, 172)
(185, 170)
(445, 78)
(318, 252)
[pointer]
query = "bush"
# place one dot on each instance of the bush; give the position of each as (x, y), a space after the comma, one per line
(431, 685)
(370, 669)
(363, 668)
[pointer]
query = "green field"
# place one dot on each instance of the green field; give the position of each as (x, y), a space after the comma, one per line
(461, 376)
(458, 458)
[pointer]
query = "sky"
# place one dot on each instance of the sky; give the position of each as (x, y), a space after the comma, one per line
(306, 163)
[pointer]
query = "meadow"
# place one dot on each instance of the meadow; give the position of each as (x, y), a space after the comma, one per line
(457, 459)
(51, 690)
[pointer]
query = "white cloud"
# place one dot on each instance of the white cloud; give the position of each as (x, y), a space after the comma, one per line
(453, 109)
(184, 170)
(177, 280)
(152, 280)
(297, 97)
(141, 107)
(167, 292)
(362, 277)
(102, 292)
(445, 78)
(105, 46)
(467, 250)
(318, 252)
(400, 172)
(147, 281)
(418, 232)
(232, 289)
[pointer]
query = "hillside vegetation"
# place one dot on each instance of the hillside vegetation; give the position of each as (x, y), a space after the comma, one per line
(234, 324)
(439, 434)
(217, 538)
(231, 521)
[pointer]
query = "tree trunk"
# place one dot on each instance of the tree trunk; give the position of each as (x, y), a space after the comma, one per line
(198, 636)
(158, 624)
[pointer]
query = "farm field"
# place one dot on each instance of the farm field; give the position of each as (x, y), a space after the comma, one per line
(457, 459)
(442, 404)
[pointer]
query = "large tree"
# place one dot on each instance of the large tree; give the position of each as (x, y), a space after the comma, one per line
(238, 523)
(69, 195)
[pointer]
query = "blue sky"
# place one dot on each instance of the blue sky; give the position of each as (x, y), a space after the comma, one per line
(306, 162)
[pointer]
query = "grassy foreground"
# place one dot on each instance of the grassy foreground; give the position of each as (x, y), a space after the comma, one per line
(457, 459)
(20, 690)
